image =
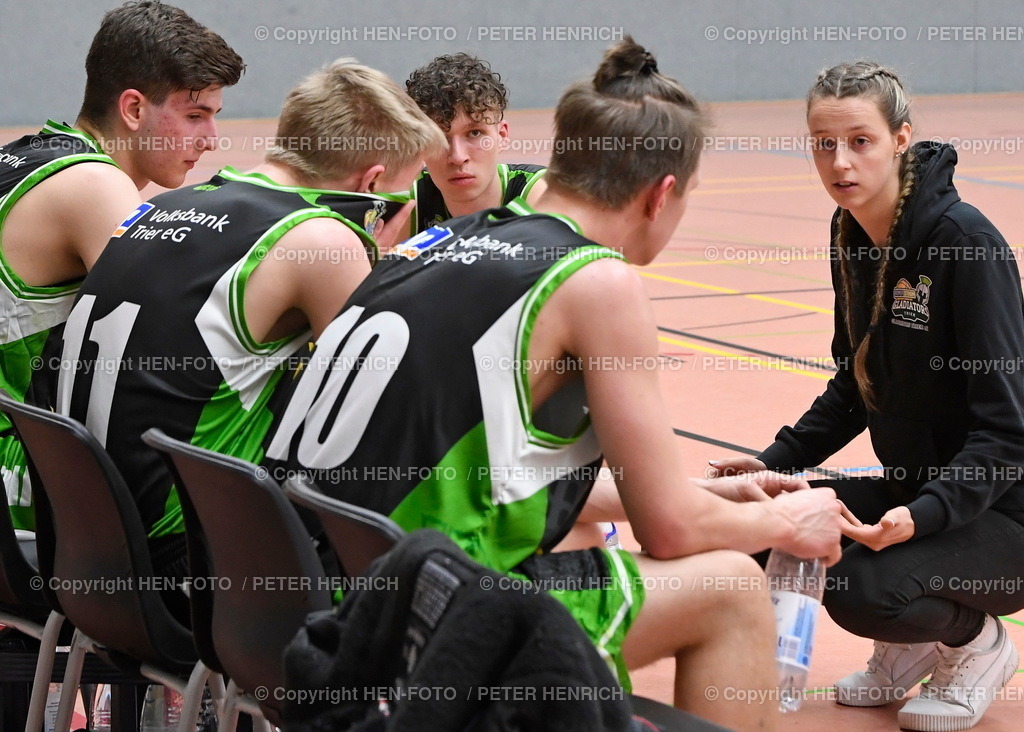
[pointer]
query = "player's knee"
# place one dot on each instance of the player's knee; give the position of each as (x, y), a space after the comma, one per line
(739, 571)
(732, 583)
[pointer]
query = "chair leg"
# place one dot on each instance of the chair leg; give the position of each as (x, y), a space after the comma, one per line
(227, 720)
(217, 689)
(72, 677)
(44, 669)
(193, 698)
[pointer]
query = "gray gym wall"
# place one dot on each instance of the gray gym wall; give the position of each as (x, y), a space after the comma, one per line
(720, 49)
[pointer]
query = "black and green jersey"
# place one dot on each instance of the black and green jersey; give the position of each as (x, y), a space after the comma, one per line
(516, 181)
(28, 313)
(157, 336)
(417, 403)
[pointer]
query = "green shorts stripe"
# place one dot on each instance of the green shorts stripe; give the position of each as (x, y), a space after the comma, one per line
(17, 486)
(601, 588)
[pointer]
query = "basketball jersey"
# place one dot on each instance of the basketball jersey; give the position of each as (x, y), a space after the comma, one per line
(158, 338)
(29, 313)
(516, 181)
(416, 403)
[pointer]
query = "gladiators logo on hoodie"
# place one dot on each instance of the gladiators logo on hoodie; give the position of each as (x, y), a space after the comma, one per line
(910, 304)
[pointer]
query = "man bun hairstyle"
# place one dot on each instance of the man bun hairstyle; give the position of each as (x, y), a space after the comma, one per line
(626, 128)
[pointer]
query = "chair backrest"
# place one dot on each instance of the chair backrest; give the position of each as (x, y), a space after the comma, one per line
(259, 575)
(93, 554)
(358, 535)
(20, 591)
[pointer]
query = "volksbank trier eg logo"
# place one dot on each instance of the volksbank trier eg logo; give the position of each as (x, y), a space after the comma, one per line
(137, 214)
(412, 248)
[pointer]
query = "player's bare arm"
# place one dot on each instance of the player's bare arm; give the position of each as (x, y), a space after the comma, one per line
(58, 229)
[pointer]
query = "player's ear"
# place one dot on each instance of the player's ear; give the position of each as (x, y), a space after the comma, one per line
(368, 180)
(131, 107)
(503, 134)
(903, 136)
(657, 194)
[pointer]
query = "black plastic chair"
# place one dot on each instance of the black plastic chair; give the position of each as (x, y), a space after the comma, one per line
(24, 608)
(89, 535)
(359, 535)
(244, 533)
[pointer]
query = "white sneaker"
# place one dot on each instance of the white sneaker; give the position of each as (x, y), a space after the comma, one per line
(964, 683)
(893, 669)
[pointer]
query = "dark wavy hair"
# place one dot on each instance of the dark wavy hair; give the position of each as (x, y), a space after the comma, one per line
(458, 81)
(157, 49)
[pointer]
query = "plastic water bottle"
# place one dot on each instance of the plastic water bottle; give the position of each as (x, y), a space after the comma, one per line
(161, 709)
(611, 535)
(796, 587)
(52, 705)
(101, 709)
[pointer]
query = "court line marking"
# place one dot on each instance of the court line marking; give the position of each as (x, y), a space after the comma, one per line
(763, 292)
(753, 360)
(716, 443)
(748, 349)
(731, 291)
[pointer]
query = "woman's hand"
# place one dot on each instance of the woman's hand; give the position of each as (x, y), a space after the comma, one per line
(895, 527)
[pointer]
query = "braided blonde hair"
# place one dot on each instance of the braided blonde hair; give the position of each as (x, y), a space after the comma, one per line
(856, 80)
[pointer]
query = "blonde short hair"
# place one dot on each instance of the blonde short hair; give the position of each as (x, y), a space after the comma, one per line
(347, 117)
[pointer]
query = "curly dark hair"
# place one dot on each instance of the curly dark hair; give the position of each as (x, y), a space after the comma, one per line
(458, 81)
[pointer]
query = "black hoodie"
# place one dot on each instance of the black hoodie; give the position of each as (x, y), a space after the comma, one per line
(946, 360)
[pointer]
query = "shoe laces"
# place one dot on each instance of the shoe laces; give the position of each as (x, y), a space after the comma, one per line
(942, 684)
(881, 649)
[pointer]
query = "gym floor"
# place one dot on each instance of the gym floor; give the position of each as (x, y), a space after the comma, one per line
(743, 301)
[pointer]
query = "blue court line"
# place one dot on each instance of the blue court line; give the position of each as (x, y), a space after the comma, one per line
(986, 182)
(865, 469)
(958, 176)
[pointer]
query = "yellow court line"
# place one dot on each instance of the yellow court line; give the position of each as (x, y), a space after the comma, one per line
(761, 189)
(730, 291)
(745, 359)
(690, 283)
(685, 264)
(753, 179)
(791, 304)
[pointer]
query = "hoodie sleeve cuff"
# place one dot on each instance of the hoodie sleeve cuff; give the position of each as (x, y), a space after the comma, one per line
(779, 456)
(928, 513)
